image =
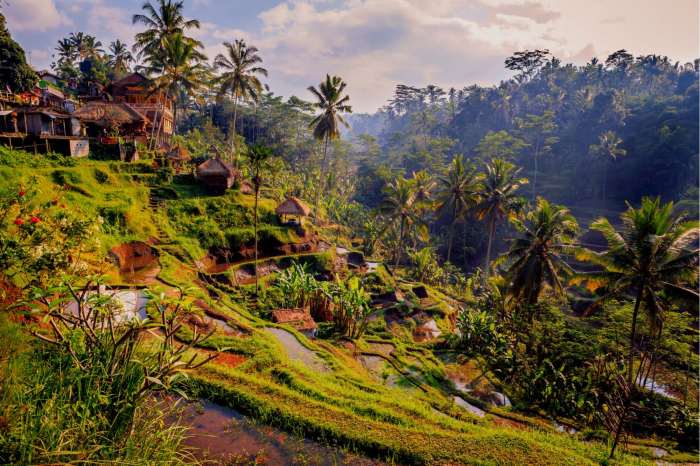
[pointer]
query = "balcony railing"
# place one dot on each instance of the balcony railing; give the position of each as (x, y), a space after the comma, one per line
(151, 108)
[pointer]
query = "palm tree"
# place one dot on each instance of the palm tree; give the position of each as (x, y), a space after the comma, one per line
(331, 102)
(177, 68)
(535, 258)
(498, 198)
(609, 149)
(240, 80)
(457, 194)
(161, 23)
(119, 57)
(398, 206)
(258, 158)
(85, 45)
(654, 255)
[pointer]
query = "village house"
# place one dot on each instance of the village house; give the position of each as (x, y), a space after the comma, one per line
(107, 121)
(134, 90)
(43, 129)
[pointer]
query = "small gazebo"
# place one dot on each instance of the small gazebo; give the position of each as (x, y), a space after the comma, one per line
(293, 207)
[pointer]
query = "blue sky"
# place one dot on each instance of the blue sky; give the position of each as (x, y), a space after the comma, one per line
(375, 44)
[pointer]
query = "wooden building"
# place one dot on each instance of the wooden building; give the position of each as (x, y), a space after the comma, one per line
(107, 120)
(43, 129)
(216, 175)
(135, 90)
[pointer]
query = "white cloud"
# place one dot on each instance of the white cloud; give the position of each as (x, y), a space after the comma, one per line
(35, 15)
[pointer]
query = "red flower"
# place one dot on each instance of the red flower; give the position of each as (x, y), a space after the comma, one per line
(54, 201)
(35, 220)
(19, 221)
(22, 192)
(63, 206)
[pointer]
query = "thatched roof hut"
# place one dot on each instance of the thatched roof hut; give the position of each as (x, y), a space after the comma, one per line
(98, 116)
(299, 319)
(217, 175)
(106, 114)
(293, 206)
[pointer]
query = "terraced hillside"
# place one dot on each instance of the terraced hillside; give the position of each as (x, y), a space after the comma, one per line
(397, 394)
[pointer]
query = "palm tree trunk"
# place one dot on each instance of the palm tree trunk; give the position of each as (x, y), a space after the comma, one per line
(450, 240)
(255, 227)
(633, 335)
(492, 231)
(399, 242)
(322, 181)
(234, 142)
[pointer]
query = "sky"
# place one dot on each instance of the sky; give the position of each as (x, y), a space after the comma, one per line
(375, 44)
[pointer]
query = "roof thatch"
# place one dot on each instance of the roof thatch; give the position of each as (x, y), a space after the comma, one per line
(215, 166)
(109, 113)
(179, 153)
(299, 319)
(293, 206)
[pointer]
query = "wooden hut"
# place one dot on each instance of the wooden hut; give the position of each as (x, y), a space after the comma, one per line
(293, 207)
(102, 118)
(178, 157)
(216, 175)
(299, 319)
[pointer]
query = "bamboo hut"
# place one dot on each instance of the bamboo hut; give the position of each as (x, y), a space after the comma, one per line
(293, 207)
(216, 175)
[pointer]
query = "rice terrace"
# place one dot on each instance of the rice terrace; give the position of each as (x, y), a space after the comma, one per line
(349, 232)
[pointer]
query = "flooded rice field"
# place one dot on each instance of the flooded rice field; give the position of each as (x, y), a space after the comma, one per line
(222, 436)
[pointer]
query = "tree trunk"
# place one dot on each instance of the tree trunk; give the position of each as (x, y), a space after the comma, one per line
(322, 181)
(234, 142)
(492, 231)
(534, 183)
(450, 241)
(155, 118)
(399, 242)
(255, 227)
(633, 334)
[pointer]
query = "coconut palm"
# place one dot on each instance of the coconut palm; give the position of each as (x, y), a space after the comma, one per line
(162, 22)
(239, 79)
(177, 68)
(399, 208)
(119, 57)
(608, 148)
(85, 45)
(498, 199)
(535, 258)
(653, 258)
(331, 102)
(258, 161)
(457, 194)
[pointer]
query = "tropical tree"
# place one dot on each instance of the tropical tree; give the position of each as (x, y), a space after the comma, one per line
(538, 132)
(240, 78)
(653, 259)
(331, 102)
(500, 145)
(177, 69)
(399, 208)
(258, 161)
(498, 199)
(162, 22)
(119, 57)
(85, 45)
(535, 258)
(457, 194)
(608, 148)
(15, 72)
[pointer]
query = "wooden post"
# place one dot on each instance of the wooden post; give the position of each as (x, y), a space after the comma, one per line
(48, 148)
